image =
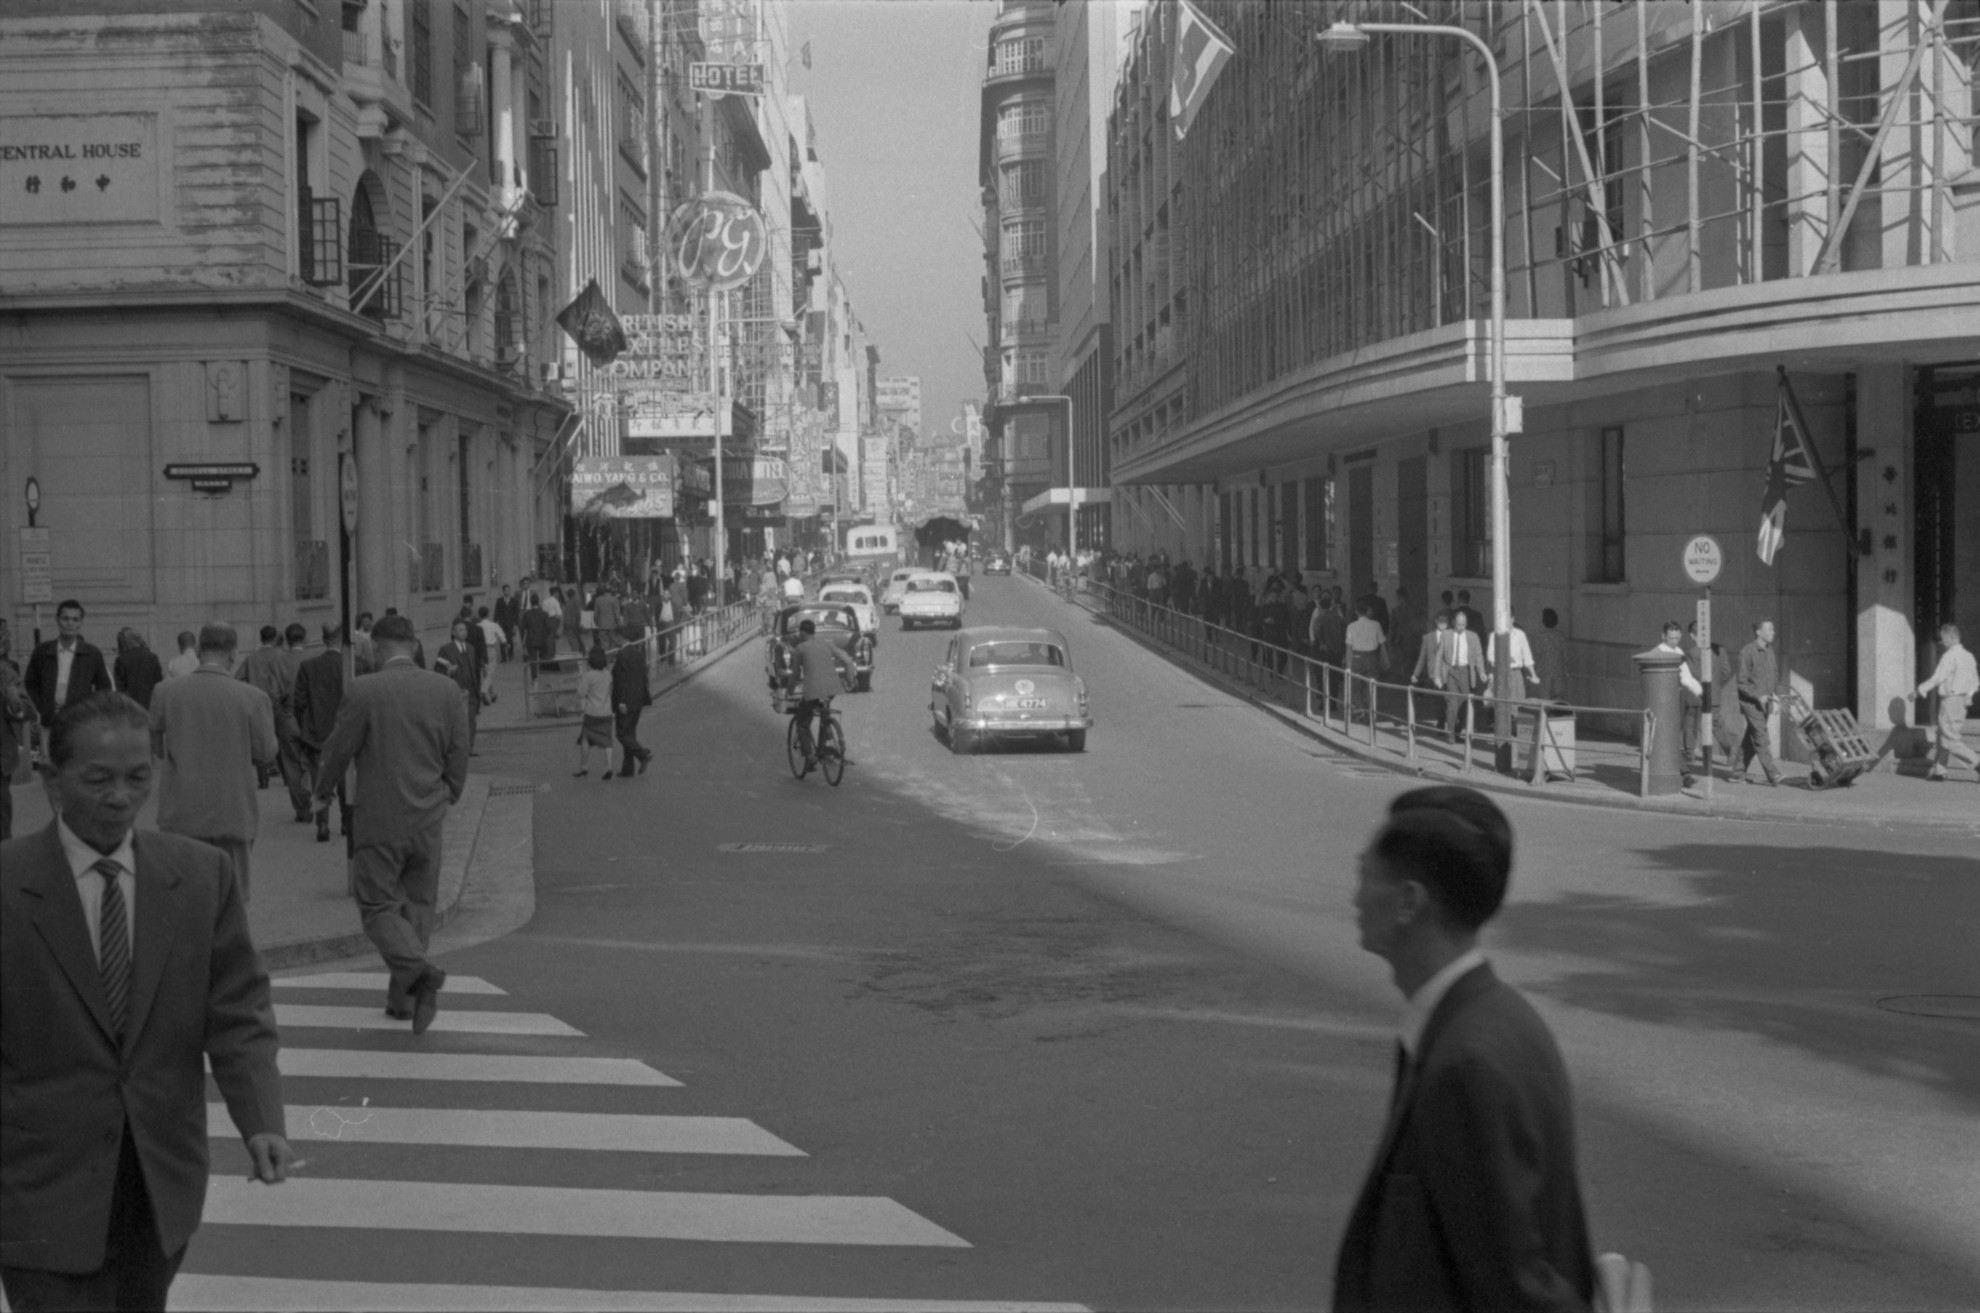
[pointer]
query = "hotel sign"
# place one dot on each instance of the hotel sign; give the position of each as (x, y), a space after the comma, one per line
(78, 168)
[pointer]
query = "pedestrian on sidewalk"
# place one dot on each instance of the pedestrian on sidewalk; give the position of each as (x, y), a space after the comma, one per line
(214, 735)
(406, 730)
(1725, 698)
(1956, 680)
(1550, 657)
(605, 614)
(319, 695)
(188, 659)
(494, 639)
(1472, 619)
(1474, 1197)
(1327, 632)
(631, 695)
(268, 669)
(1760, 687)
(459, 661)
(508, 618)
(128, 968)
(1691, 693)
(65, 669)
(364, 656)
(539, 634)
(15, 714)
(1430, 668)
(594, 690)
(1460, 673)
(1368, 657)
(136, 668)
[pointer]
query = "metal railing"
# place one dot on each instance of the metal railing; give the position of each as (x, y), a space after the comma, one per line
(550, 686)
(1350, 701)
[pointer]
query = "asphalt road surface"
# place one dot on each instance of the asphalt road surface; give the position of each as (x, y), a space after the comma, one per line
(1041, 1028)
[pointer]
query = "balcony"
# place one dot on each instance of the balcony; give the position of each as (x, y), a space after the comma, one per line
(1024, 265)
(1024, 145)
(1027, 329)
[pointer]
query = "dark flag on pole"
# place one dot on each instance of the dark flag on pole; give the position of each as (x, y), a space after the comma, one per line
(1793, 463)
(592, 325)
(1200, 51)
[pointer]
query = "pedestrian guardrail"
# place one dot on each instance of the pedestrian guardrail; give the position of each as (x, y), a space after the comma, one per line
(1532, 738)
(550, 686)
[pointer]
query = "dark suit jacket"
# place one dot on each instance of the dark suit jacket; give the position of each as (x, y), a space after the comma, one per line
(319, 692)
(87, 674)
(1472, 1201)
(629, 684)
(197, 988)
(407, 729)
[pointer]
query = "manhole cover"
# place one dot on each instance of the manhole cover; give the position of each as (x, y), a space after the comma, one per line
(1960, 1007)
(771, 847)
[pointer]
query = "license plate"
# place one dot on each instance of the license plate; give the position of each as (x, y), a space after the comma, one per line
(1031, 704)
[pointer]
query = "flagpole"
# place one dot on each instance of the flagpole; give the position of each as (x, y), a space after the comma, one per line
(1808, 445)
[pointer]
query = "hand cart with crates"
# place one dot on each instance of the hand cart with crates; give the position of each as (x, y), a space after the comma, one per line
(1837, 751)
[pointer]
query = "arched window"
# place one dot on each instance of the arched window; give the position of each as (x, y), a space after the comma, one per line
(374, 291)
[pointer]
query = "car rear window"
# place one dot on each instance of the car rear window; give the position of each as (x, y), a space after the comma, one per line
(1016, 654)
(931, 586)
(824, 618)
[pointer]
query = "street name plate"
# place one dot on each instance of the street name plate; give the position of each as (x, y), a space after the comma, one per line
(772, 847)
(37, 562)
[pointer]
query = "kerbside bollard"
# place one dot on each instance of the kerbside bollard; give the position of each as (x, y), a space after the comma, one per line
(1664, 769)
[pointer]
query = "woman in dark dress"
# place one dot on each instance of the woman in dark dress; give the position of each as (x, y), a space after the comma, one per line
(136, 669)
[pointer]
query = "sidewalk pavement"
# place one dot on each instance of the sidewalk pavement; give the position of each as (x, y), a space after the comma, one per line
(299, 905)
(1892, 794)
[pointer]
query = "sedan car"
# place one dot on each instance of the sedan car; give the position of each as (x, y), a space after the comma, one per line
(890, 595)
(857, 596)
(835, 621)
(1009, 684)
(931, 598)
(997, 563)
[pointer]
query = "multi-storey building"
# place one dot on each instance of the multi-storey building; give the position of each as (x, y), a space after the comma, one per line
(1698, 197)
(245, 247)
(900, 400)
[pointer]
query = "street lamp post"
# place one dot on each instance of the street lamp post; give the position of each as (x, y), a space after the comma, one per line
(1353, 36)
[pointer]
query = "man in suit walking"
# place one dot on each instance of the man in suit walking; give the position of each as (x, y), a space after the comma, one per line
(631, 695)
(1429, 668)
(125, 960)
(407, 730)
(270, 669)
(214, 735)
(1460, 673)
(319, 693)
(1473, 1200)
(65, 669)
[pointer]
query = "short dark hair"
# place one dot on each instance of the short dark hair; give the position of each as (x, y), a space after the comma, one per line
(295, 633)
(1459, 845)
(1464, 594)
(1949, 628)
(595, 658)
(187, 638)
(1670, 625)
(393, 628)
(807, 627)
(269, 633)
(108, 709)
(216, 637)
(1550, 617)
(69, 604)
(482, 614)
(333, 632)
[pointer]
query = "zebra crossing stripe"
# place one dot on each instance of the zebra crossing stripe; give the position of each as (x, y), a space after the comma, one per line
(449, 1020)
(371, 1064)
(222, 1294)
(378, 980)
(566, 1211)
(615, 1132)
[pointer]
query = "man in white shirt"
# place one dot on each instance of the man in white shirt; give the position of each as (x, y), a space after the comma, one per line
(1367, 644)
(1672, 644)
(1956, 680)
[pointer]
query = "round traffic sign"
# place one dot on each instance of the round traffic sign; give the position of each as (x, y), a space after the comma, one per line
(1702, 559)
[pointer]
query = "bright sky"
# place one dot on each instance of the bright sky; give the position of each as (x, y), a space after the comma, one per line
(894, 88)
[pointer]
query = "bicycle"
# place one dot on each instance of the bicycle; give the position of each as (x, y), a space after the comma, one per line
(830, 741)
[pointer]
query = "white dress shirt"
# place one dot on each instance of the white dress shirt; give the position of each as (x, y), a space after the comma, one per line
(1685, 677)
(1416, 1015)
(89, 884)
(65, 661)
(1956, 676)
(1518, 650)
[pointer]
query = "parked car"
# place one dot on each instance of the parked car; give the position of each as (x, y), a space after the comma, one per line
(860, 598)
(931, 598)
(835, 621)
(1005, 683)
(890, 595)
(997, 563)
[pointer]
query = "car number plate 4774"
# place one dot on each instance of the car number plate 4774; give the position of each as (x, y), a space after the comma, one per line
(1030, 704)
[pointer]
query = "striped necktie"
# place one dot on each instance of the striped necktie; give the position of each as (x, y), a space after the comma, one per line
(114, 945)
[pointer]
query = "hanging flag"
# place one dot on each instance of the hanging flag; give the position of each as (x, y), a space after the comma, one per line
(1793, 463)
(592, 325)
(1200, 52)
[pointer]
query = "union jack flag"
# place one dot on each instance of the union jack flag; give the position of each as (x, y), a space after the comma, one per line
(1793, 463)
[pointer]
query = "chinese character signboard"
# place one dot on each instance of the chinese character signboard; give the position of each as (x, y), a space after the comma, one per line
(623, 487)
(79, 168)
(651, 413)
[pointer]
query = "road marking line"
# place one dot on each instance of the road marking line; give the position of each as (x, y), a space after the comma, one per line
(554, 1210)
(616, 1132)
(459, 1023)
(378, 980)
(497, 1067)
(223, 1294)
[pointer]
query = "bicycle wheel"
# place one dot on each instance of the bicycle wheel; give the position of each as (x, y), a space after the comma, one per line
(794, 750)
(832, 751)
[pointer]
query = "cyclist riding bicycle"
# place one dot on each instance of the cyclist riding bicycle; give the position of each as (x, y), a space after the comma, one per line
(817, 664)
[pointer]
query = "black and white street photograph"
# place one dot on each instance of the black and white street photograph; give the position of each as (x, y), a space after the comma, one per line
(989, 656)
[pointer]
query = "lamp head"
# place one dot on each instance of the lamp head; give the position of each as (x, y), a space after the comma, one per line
(1342, 36)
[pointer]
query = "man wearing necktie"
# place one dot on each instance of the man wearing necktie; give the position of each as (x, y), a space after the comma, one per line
(1473, 1200)
(1460, 673)
(125, 966)
(65, 669)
